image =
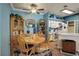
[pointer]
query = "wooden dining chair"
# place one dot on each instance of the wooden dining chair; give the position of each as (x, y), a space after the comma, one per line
(24, 47)
(30, 46)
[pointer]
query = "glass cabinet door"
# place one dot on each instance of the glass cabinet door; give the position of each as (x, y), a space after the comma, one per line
(71, 27)
(15, 24)
(21, 25)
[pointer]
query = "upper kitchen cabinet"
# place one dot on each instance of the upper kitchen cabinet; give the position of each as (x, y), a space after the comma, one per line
(73, 26)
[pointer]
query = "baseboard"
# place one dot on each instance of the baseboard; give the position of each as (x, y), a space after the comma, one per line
(67, 54)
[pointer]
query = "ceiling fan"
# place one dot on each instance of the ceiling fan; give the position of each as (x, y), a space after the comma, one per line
(33, 9)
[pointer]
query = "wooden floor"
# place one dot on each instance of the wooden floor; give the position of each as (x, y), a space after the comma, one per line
(53, 47)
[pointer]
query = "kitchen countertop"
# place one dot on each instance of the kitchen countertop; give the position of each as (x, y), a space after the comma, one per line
(69, 34)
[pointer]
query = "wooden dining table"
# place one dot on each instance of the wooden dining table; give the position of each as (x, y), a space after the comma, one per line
(35, 41)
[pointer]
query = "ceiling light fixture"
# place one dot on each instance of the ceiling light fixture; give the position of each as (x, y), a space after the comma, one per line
(66, 10)
(33, 10)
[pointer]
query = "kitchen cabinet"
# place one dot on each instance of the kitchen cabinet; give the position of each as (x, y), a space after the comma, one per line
(73, 26)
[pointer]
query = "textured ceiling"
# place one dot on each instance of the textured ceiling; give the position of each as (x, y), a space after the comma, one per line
(52, 7)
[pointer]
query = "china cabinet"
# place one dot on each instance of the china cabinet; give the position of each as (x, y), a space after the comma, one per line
(16, 28)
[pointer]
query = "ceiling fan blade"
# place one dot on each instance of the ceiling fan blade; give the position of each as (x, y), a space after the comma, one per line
(40, 9)
(26, 9)
(38, 12)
